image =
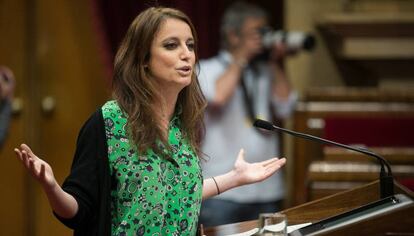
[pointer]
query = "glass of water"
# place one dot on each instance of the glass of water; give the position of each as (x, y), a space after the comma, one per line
(274, 224)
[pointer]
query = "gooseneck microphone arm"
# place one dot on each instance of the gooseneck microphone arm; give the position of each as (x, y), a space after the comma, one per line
(386, 178)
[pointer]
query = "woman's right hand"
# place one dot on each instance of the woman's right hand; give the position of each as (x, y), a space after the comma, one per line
(37, 167)
(62, 203)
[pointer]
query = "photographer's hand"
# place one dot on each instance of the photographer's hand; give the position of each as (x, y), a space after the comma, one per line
(243, 48)
(281, 84)
(247, 49)
(278, 52)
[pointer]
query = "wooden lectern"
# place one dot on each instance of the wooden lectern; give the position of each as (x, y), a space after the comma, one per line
(396, 222)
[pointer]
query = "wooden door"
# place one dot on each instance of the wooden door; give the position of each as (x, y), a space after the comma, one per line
(61, 82)
(13, 220)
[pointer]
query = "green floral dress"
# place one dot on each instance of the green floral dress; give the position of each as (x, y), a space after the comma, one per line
(151, 195)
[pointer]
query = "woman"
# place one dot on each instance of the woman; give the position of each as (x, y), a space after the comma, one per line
(136, 168)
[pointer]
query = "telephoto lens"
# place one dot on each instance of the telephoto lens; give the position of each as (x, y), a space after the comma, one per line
(294, 40)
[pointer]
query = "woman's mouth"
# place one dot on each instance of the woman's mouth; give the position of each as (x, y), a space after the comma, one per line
(184, 71)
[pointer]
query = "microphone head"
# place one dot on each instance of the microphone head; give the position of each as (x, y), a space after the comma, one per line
(263, 124)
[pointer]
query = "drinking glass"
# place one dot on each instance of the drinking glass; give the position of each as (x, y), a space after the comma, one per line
(274, 224)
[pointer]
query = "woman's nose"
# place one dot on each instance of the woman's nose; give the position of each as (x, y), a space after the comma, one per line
(185, 53)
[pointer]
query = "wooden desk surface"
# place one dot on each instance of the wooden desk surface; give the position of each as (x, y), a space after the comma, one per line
(316, 210)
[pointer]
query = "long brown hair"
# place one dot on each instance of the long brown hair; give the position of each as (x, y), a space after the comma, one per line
(136, 93)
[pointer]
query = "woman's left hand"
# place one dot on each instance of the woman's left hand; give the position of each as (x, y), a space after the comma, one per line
(242, 173)
(248, 173)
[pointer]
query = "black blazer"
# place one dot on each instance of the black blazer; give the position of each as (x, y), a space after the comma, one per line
(89, 181)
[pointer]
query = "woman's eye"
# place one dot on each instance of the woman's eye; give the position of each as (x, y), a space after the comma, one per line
(170, 46)
(190, 46)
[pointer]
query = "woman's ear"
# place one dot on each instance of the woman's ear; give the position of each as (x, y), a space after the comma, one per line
(146, 68)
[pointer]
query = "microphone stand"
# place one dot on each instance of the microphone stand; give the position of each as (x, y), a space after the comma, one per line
(386, 178)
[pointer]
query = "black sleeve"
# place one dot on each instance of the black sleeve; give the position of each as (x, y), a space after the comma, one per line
(87, 176)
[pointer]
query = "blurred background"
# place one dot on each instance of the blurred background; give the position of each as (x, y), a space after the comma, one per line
(356, 86)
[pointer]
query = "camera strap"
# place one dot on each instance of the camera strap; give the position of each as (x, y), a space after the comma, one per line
(247, 97)
(250, 92)
(249, 103)
(248, 100)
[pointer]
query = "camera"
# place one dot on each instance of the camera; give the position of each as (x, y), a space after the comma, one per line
(294, 40)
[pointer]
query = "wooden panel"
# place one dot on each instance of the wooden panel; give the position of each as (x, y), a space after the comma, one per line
(70, 72)
(52, 48)
(307, 151)
(355, 94)
(402, 155)
(13, 208)
(353, 171)
(368, 25)
(327, 207)
(328, 177)
(362, 45)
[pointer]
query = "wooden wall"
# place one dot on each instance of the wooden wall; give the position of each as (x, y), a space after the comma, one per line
(317, 68)
(54, 52)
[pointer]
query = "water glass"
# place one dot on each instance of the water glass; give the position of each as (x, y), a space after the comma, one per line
(274, 224)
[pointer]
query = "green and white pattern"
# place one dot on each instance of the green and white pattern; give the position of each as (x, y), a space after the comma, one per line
(151, 194)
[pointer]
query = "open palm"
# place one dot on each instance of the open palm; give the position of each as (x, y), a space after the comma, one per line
(255, 172)
(38, 168)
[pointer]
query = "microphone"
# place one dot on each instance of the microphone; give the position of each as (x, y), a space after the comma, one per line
(386, 178)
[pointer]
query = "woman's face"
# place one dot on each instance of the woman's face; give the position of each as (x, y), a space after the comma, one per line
(172, 56)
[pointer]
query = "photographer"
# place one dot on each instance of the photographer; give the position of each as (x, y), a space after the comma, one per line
(6, 95)
(239, 87)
